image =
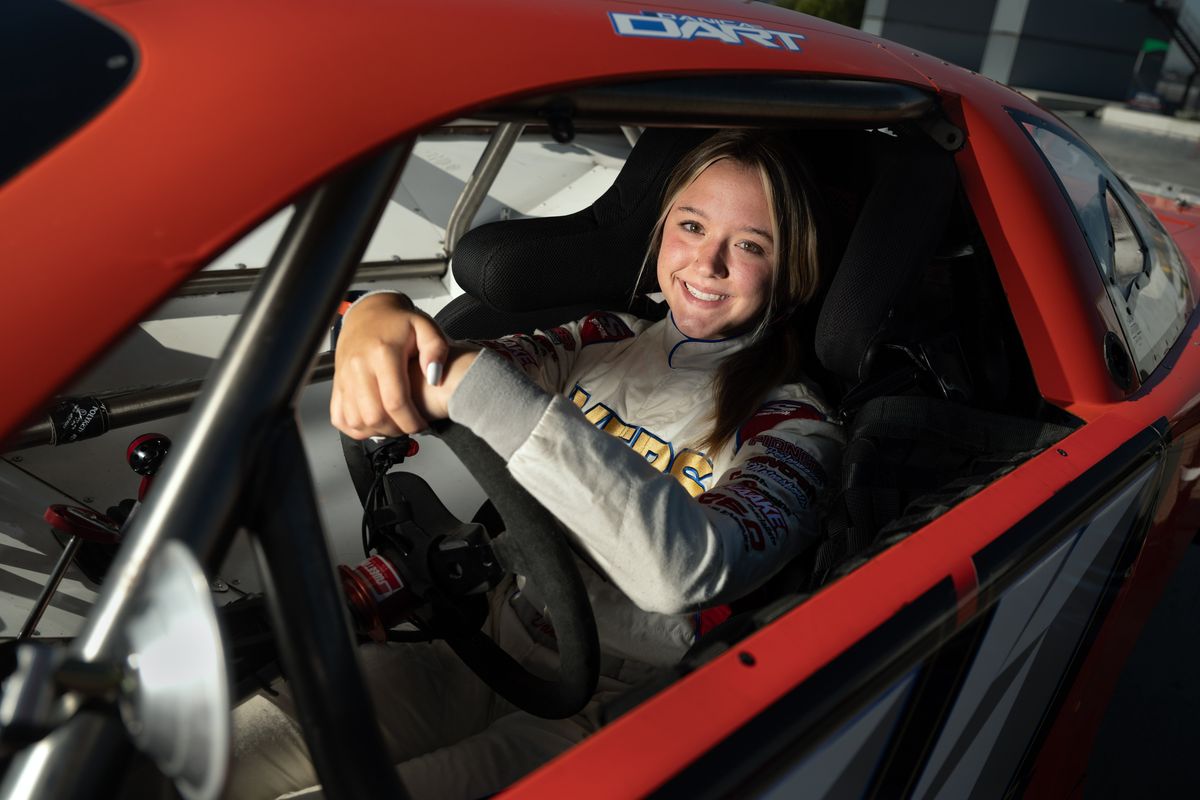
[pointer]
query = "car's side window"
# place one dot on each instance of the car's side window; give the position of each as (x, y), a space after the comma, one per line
(1146, 276)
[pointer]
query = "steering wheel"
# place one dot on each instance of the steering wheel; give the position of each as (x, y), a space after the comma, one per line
(535, 546)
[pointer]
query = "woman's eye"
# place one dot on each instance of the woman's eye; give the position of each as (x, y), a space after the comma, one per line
(752, 247)
(691, 227)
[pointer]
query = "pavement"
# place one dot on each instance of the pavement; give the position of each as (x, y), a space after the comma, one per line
(1150, 736)
(1117, 114)
(1149, 160)
(1151, 151)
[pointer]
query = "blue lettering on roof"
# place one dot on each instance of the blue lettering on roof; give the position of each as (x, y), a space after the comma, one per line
(683, 27)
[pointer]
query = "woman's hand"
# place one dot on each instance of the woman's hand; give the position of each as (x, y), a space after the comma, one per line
(388, 370)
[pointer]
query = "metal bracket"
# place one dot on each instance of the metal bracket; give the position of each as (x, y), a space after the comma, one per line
(948, 137)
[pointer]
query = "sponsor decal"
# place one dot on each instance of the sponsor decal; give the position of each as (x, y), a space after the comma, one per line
(752, 534)
(776, 413)
(512, 350)
(543, 626)
(794, 455)
(78, 418)
(562, 337)
(778, 473)
(723, 501)
(765, 507)
(544, 346)
(688, 28)
(381, 576)
(600, 326)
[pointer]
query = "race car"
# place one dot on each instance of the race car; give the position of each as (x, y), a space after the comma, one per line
(1007, 334)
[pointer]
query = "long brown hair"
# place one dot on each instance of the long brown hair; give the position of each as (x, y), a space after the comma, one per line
(744, 378)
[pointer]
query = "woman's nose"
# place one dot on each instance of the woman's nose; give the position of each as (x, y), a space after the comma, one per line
(710, 259)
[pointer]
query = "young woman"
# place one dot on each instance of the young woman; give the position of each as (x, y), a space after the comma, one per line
(688, 458)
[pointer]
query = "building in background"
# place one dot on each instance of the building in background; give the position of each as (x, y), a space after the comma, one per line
(1094, 48)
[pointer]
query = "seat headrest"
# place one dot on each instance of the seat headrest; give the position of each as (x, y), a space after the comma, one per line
(897, 232)
(591, 256)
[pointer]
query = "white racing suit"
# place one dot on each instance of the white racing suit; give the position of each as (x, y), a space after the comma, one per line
(667, 535)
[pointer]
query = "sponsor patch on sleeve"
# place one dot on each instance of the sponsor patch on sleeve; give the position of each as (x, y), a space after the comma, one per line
(544, 346)
(562, 337)
(792, 454)
(602, 326)
(510, 348)
(769, 415)
(794, 480)
(759, 516)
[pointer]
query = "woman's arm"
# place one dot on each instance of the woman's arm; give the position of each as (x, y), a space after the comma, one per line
(394, 369)
(666, 551)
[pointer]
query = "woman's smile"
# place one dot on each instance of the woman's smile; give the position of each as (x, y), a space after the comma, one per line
(707, 297)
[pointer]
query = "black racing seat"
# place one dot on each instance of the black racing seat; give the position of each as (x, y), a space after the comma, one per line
(919, 348)
(523, 274)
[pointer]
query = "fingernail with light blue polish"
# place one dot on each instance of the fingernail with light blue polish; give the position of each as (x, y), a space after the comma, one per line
(433, 373)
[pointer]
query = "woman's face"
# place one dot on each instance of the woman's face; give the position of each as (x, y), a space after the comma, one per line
(717, 254)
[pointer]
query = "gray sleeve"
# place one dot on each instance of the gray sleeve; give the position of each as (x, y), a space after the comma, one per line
(498, 402)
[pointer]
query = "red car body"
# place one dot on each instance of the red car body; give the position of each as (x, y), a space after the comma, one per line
(249, 104)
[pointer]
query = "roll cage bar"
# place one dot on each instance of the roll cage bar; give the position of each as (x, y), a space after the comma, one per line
(240, 463)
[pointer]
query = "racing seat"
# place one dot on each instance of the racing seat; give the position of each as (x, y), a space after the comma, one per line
(523, 274)
(919, 348)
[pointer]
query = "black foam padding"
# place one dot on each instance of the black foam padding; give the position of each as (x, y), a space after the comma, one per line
(896, 234)
(591, 256)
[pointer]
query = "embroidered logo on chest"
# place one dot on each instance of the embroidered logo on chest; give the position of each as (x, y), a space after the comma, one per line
(692, 469)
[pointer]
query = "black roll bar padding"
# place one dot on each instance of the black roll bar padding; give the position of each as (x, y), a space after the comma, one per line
(533, 545)
(728, 100)
(199, 498)
(312, 627)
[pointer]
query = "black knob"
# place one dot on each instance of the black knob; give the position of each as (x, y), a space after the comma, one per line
(146, 453)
